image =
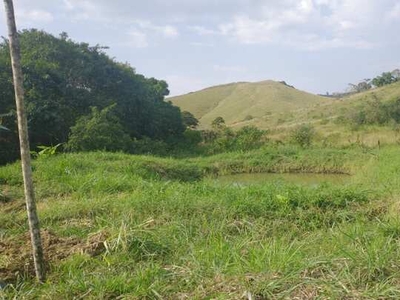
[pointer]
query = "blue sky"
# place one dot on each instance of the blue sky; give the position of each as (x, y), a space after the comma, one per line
(315, 45)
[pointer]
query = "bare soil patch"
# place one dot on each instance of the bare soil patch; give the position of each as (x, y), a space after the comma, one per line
(16, 257)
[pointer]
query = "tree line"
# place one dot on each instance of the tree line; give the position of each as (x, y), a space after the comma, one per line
(74, 89)
(384, 79)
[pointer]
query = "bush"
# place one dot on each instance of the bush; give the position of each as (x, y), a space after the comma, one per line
(187, 143)
(192, 137)
(101, 130)
(249, 137)
(218, 123)
(149, 146)
(189, 120)
(225, 139)
(303, 135)
(375, 112)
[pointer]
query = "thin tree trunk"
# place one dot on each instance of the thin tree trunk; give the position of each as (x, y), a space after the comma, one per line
(24, 143)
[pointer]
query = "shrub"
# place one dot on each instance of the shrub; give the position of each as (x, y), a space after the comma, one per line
(189, 120)
(149, 146)
(192, 137)
(303, 135)
(249, 137)
(100, 130)
(375, 112)
(218, 123)
(225, 139)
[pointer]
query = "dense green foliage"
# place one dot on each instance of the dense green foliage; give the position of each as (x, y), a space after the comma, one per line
(385, 79)
(218, 122)
(101, 130)
(303, 135)
(376, 112)
(224, 139)
(64, 79)
(163, 232)
(189, 120)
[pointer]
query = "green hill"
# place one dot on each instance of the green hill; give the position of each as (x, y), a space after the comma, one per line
(241, 101)
(280, 108)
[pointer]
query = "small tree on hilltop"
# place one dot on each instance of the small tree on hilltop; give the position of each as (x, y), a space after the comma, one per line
(384, 79)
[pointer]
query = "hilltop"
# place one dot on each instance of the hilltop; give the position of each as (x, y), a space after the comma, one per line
(240, 101)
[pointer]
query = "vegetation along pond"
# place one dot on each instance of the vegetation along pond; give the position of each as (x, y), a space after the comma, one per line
(307, 179)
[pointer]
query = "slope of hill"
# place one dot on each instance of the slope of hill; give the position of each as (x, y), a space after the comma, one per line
(236, 102)
(280, 108)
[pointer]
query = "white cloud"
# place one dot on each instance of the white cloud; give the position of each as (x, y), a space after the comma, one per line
(145, 33)
(394, 13)
(201, 30)
(169, 31)
(229, 69)
(315, 43)
(36, 15)
(181, 84)
(307, 24)
(86, 10)
(68, 5)
(201, 44)
(137, 39)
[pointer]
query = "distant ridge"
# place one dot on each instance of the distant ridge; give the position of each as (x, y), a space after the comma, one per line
(240, 101)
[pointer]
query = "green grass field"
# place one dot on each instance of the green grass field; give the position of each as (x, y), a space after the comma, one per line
(118, 226)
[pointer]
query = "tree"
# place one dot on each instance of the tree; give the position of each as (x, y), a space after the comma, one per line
(303, 135)
(189, 120)
(100, 130)
(384, 79)
(362, 86)
(218, 123)
(396, 74)
(24, 143)
(64, 79)
(249, 137)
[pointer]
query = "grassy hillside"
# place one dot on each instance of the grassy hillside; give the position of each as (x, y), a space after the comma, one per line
(280, 108)
(234, 102)
(117, 226)
(324, 117)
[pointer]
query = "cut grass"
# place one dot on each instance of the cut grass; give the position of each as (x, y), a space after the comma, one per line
(169, 233)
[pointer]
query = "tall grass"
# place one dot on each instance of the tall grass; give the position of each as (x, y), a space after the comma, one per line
(172, 232)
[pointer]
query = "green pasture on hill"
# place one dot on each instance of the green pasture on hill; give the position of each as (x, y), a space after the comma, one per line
(278, 108)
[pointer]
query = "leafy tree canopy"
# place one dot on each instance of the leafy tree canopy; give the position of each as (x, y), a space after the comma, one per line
(100, 130)
(218, 123)
(384, 79)
(189, 119)
(64, 79)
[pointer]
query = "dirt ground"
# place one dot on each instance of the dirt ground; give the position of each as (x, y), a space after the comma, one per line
(16, 257)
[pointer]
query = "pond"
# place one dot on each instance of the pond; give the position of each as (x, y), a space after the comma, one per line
(306, 179)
